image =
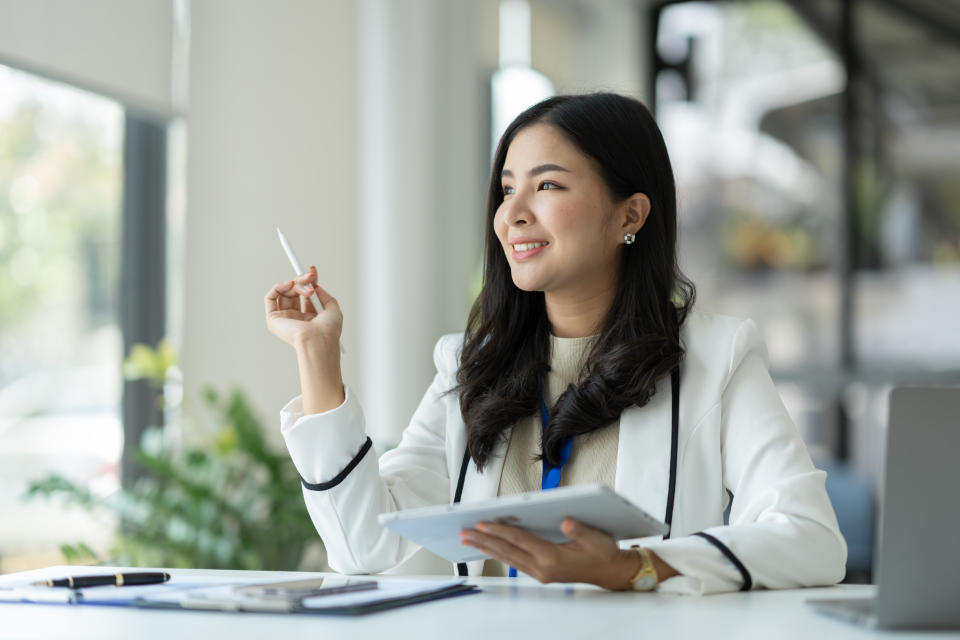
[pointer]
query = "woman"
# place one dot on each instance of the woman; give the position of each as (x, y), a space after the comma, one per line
(584, 338)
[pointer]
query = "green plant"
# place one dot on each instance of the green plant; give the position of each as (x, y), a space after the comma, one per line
(226, 501)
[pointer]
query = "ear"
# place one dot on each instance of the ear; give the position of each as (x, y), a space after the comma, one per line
(635, 210)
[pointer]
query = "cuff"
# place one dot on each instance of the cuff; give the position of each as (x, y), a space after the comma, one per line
(703, 568)
(322, 445)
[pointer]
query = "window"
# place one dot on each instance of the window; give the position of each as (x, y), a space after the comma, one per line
(60, 338)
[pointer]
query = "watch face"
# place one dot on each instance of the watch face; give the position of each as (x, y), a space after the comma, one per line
(644, 583)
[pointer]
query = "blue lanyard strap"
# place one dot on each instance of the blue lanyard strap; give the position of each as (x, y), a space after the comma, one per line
(551, 475)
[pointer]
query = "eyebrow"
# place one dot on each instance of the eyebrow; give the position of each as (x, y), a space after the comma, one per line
(543, 168)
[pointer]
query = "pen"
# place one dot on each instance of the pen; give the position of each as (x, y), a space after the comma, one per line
(115, 579)
(297, 269)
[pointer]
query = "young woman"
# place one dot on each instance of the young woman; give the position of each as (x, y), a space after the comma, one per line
(582, 362)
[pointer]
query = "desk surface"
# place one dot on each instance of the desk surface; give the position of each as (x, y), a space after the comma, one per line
(507, 608)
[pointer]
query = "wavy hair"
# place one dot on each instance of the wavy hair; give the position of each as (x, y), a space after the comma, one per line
(506, 347)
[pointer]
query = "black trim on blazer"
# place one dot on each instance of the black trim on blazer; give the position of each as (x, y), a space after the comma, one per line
(340, 477)
(725, 550)
(674, 439)
(462, 566)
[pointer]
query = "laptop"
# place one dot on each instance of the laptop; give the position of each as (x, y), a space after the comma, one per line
(918, 551)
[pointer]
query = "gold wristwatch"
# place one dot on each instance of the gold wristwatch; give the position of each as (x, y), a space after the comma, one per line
(646, 578)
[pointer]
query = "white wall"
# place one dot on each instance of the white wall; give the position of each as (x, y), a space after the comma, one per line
(272, 141)
(121, 49)
(582, 45)
(423, 169)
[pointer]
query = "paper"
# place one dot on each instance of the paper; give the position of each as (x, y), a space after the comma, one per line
(388, 590)
(225, 597)
(220, 594)
(37, 594)
(127, 595)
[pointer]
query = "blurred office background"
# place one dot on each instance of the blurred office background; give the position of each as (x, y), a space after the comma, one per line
(149, 149)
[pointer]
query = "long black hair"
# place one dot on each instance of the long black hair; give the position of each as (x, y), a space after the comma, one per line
(506, 348)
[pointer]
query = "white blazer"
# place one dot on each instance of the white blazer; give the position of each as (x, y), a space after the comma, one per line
(734, 434)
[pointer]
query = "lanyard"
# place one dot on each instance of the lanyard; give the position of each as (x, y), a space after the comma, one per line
(551, 475)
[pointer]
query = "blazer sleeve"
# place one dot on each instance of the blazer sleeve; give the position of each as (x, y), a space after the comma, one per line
(783, 532)
(346, 488)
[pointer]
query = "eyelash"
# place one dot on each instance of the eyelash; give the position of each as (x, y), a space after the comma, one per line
(540, 186)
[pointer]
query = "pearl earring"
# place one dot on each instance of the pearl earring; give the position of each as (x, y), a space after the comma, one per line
(629, 238)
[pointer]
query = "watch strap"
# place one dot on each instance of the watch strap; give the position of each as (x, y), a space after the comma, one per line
(646, 577)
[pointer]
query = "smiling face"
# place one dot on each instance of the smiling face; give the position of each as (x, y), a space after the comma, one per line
(558, 225)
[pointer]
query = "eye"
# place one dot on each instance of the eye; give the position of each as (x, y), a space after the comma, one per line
(546, 186)
(507, 190)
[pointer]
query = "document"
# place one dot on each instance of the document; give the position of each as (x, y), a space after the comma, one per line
(12, 590)
(229, 594)
(392, 592)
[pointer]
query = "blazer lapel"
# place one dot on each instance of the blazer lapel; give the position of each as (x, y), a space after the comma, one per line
(484, 486)
(643, 455)
(478, 486)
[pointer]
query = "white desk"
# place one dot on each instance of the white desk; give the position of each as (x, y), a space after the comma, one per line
(505, 609)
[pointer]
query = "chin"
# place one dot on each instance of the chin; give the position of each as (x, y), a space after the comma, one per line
(526, 284)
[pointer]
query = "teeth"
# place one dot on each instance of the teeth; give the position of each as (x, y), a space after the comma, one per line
(527, 246)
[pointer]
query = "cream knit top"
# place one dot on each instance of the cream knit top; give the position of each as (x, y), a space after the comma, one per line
(593, 458)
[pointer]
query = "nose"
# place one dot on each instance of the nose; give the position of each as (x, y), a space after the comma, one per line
(516, 211)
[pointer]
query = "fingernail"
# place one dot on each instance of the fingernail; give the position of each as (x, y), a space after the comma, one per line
(481, 526)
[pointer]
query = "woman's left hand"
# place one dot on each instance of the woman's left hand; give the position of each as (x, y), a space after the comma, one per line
(591, 556)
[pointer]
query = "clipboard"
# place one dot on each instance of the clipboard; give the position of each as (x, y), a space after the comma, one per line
(344, 595)
(387, 594)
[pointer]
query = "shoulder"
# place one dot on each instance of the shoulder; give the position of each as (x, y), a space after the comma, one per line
(719, 343)
(446, 353)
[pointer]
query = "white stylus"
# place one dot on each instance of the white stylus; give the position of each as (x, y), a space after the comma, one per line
(292, 257)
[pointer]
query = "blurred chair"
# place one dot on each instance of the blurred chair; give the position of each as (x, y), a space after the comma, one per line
(855, 502)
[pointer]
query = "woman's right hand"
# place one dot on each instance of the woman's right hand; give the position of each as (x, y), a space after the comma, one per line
(291, 316)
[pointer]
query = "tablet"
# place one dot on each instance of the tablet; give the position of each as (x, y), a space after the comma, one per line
(540, 512)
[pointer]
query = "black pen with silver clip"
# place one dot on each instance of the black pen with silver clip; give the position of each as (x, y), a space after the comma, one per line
(114, 579)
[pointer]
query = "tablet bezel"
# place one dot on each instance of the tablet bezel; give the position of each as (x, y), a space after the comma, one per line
(437, 528)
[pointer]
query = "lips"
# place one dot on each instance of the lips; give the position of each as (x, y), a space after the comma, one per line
(527, 248)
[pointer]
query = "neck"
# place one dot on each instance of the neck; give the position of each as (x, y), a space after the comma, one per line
(578, 315)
